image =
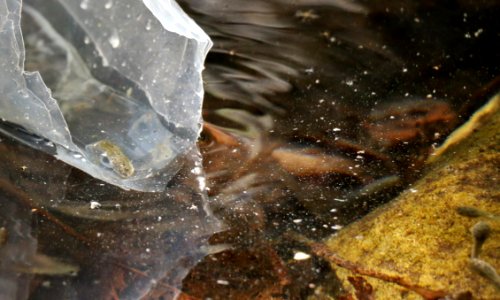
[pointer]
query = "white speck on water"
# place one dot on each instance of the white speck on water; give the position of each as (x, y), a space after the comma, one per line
(86, 40)
(222, 282)
(196, 170)
(148, 25)
(95, 205)
(114, 40)
(337, 227)
(129, 93)
(309, 70)
(478, 32)
(297, 221)
(336, 129)
(413, 190)
(301, 256)
(349, 82)
(84, 4)
(201, 182)
(108, 4)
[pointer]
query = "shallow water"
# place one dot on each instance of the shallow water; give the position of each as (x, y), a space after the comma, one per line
(316, 112)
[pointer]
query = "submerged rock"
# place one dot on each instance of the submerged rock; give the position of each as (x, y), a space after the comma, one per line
(420, 245)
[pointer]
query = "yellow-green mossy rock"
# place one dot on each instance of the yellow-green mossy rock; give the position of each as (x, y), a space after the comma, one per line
(419, 239)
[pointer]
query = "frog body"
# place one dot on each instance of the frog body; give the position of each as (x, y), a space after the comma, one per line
(111, 156)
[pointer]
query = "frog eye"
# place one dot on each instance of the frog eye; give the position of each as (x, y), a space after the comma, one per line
(104, 160)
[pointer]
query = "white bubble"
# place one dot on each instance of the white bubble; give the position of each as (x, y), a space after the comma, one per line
(114, 40)
(94, 205)
(84, 4)
(108, 4)
(301, 256)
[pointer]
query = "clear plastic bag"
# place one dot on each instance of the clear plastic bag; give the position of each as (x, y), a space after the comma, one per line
(111, 87)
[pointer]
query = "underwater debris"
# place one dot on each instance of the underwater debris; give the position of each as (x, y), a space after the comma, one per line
(3, 236)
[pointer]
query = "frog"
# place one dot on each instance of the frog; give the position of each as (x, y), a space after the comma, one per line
(111, 156)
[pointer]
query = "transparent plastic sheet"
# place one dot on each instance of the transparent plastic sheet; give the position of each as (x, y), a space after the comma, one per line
(111, 87)
(69, 236)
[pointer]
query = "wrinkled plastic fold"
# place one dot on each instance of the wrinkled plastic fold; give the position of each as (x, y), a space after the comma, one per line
(113, 88)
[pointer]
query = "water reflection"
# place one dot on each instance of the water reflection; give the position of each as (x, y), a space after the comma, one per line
(317, 111)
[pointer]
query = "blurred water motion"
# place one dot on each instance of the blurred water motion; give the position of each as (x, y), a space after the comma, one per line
(316, 112)
(319, 111)
(321, 99)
